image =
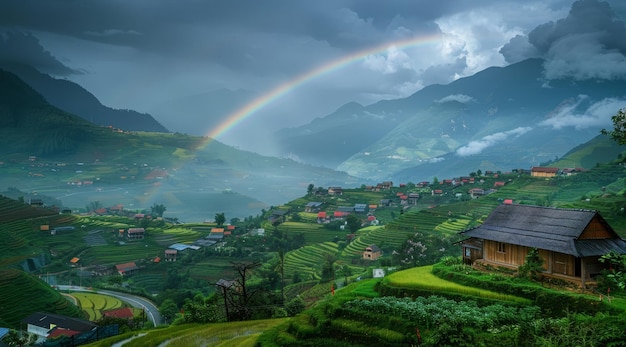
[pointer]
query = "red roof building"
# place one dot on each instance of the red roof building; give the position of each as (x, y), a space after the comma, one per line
(124, 313)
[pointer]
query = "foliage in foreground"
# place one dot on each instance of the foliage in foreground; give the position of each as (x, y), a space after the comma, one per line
(351, 319)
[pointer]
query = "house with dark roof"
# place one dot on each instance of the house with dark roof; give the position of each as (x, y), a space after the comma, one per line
(313, 206)
(51, 325)
(570, 241)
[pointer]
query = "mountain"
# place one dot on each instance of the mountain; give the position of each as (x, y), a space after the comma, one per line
(54, 153)
(198, 114)
(73, 98)
(498, 119)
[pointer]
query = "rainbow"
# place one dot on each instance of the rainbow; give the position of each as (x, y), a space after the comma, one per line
(249, 109)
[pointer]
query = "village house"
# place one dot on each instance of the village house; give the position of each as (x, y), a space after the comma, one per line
(540, 171)
(313, 206)
(571, 171)
(321, 217)
(278, 216)
(127, 269)
(372, 252)
(119, 313)
(360, 208)
(135, 234)
(386, 202)
(48, 325)
(171, 254)
(335, 191)
(570, 241)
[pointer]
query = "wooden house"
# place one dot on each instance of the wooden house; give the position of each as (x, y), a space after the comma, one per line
(541, 171)
(372, 252)
(135, 234)
(570, 241)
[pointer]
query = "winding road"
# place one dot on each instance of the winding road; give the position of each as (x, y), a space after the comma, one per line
(152, 312)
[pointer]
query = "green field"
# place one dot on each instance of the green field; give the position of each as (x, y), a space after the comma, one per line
(94, 304)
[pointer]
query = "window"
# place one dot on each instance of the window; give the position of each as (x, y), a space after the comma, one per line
(501, 247)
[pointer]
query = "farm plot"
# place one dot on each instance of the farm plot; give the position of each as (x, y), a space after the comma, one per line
(313, 233)
(307, 260)
(94, 304)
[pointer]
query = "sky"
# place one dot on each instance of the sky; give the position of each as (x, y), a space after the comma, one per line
(299, 59)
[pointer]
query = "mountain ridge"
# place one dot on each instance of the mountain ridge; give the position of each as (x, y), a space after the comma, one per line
(73, 98)
(469, 121)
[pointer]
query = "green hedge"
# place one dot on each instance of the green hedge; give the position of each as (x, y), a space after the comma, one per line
(553, 303)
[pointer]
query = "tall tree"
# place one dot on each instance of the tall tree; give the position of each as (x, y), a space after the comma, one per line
(220, 219)
(158, 209)
(353, 222)
(309, 189)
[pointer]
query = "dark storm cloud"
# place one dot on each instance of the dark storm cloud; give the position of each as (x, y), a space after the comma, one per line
(24, 48)
(588, 43)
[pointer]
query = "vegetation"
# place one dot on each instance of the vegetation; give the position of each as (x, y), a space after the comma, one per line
(298, 263)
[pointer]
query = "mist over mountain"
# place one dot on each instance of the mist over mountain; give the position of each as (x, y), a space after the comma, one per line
(498, 119)
(47, 152)
(198, 114)
(73, 98)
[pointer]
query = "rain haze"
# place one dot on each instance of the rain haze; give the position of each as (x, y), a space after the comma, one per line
(194, 64)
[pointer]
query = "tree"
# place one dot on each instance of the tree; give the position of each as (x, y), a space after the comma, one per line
(220, 219)
(309, 189)
(168, 309)
(353, 222)
(533, 265)
(94, 205)
(237, 294)
(158, 209)
(619, 127)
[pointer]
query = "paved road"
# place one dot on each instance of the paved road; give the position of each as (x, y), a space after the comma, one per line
(151, 310)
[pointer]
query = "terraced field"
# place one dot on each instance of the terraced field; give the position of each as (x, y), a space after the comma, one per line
(94, 304)
(313, 232)
(21, 294)
(307, 260)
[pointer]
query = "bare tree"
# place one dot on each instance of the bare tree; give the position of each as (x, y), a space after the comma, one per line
(237, 294)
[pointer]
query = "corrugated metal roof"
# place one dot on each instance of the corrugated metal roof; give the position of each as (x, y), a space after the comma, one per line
(546, 228)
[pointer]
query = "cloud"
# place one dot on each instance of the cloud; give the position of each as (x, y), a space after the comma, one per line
(112, 32)
(588, 43)
(462, 98)
(597, 114)
(24, 48)
(476, 147)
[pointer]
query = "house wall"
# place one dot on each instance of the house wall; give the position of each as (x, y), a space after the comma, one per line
(504, 253)
(595, 230)
(514, 255)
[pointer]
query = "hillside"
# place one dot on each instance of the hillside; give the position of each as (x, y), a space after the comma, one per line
(485, 120)
(54, 153)
(25, 293)
(72, 98)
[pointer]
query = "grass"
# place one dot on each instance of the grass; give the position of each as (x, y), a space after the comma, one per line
(422, 278)
(239, 334)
